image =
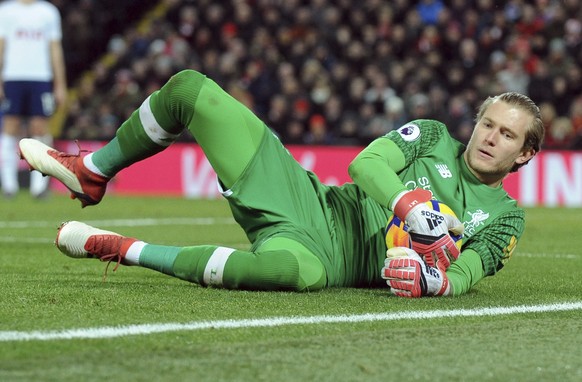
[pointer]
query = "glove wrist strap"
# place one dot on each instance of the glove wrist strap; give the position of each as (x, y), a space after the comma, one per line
(445, 289)
(408, 200)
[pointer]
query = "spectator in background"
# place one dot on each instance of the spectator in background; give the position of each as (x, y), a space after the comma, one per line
(348, 130)
(513, 77)
(576, 119)
(574, 79)
(560, 96)
(459, 119)
(33, 82)
(419, 106)
(540, 83)
(278, 113)
(558, 58)
(332, 111)
(379, 91)
(392, 117)
(294, 132)
(573, 36)
(560, 130)
(318, 132)
(561, 134)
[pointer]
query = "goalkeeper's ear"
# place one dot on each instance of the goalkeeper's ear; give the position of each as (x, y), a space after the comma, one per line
(454, 225)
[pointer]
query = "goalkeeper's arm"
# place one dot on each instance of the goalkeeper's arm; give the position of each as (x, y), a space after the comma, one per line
(375, 169)
(465, 272)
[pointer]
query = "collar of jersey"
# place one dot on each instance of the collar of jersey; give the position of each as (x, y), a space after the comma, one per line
(471, 178)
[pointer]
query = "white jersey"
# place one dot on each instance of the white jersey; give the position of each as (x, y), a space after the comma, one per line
(28, 30)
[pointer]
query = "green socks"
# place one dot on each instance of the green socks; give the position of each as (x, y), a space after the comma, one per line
(210, 265)
(155, 125)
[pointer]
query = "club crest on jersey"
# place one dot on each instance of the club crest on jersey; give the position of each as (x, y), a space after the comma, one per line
(409, 132)
(477, 219)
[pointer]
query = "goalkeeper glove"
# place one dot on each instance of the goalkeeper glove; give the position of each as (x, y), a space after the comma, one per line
(436, 244)
(409, 276)
(437, 252)
(410, 207)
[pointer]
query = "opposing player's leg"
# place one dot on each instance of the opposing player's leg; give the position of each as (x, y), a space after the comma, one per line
(41, 106)
(39, 131)
(9, 154)
(12, 119)
(281, 264)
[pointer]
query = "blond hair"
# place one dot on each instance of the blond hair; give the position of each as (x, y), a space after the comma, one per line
(534, 135)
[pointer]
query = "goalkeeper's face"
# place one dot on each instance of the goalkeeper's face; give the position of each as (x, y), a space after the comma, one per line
(496, 144)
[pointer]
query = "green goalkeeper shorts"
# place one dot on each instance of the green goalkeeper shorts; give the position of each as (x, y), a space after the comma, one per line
(275, 196)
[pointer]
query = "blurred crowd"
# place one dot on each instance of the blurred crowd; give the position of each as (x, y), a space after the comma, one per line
(88, 25)
(342, 72)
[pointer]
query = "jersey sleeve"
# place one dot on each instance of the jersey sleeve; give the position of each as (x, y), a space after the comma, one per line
(418, 138)
(3, 23)
(465, 272)
(375, 170)
(54, 26)
(496, 242)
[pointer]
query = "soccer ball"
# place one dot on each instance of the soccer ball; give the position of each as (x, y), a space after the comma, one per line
(396, 231)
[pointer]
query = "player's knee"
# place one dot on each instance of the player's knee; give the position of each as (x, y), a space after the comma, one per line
(184, 87)
(305, 274)
(312, 274)
(11, 125)
(282, 269)
(179, 95)
(186, 76)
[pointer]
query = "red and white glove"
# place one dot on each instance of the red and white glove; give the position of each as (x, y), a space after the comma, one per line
(409, 276)
(436, 246)
(437, 252)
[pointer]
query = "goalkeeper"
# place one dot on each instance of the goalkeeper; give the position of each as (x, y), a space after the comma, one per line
(305, 235)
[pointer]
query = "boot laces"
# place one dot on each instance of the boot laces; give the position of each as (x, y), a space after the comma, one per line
(59, 154)
(106, 248)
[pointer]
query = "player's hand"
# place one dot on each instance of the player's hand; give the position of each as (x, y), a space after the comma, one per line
(436, 251)
(409, 276)
(410, 207)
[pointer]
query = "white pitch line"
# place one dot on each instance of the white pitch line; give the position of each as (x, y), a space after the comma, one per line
(109, 223)
(122, 222)
(145, 329)
(550, 255)
(40, 240)
(27, 240)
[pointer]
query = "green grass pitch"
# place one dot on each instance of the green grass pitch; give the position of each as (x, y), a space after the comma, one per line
(60, 322)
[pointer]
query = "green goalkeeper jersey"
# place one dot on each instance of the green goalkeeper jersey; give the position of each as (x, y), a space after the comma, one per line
(433, 160)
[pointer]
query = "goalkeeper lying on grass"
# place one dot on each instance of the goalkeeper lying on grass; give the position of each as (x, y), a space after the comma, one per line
(306, 235)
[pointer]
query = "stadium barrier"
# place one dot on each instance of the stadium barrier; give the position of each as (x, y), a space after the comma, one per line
(553, 178)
